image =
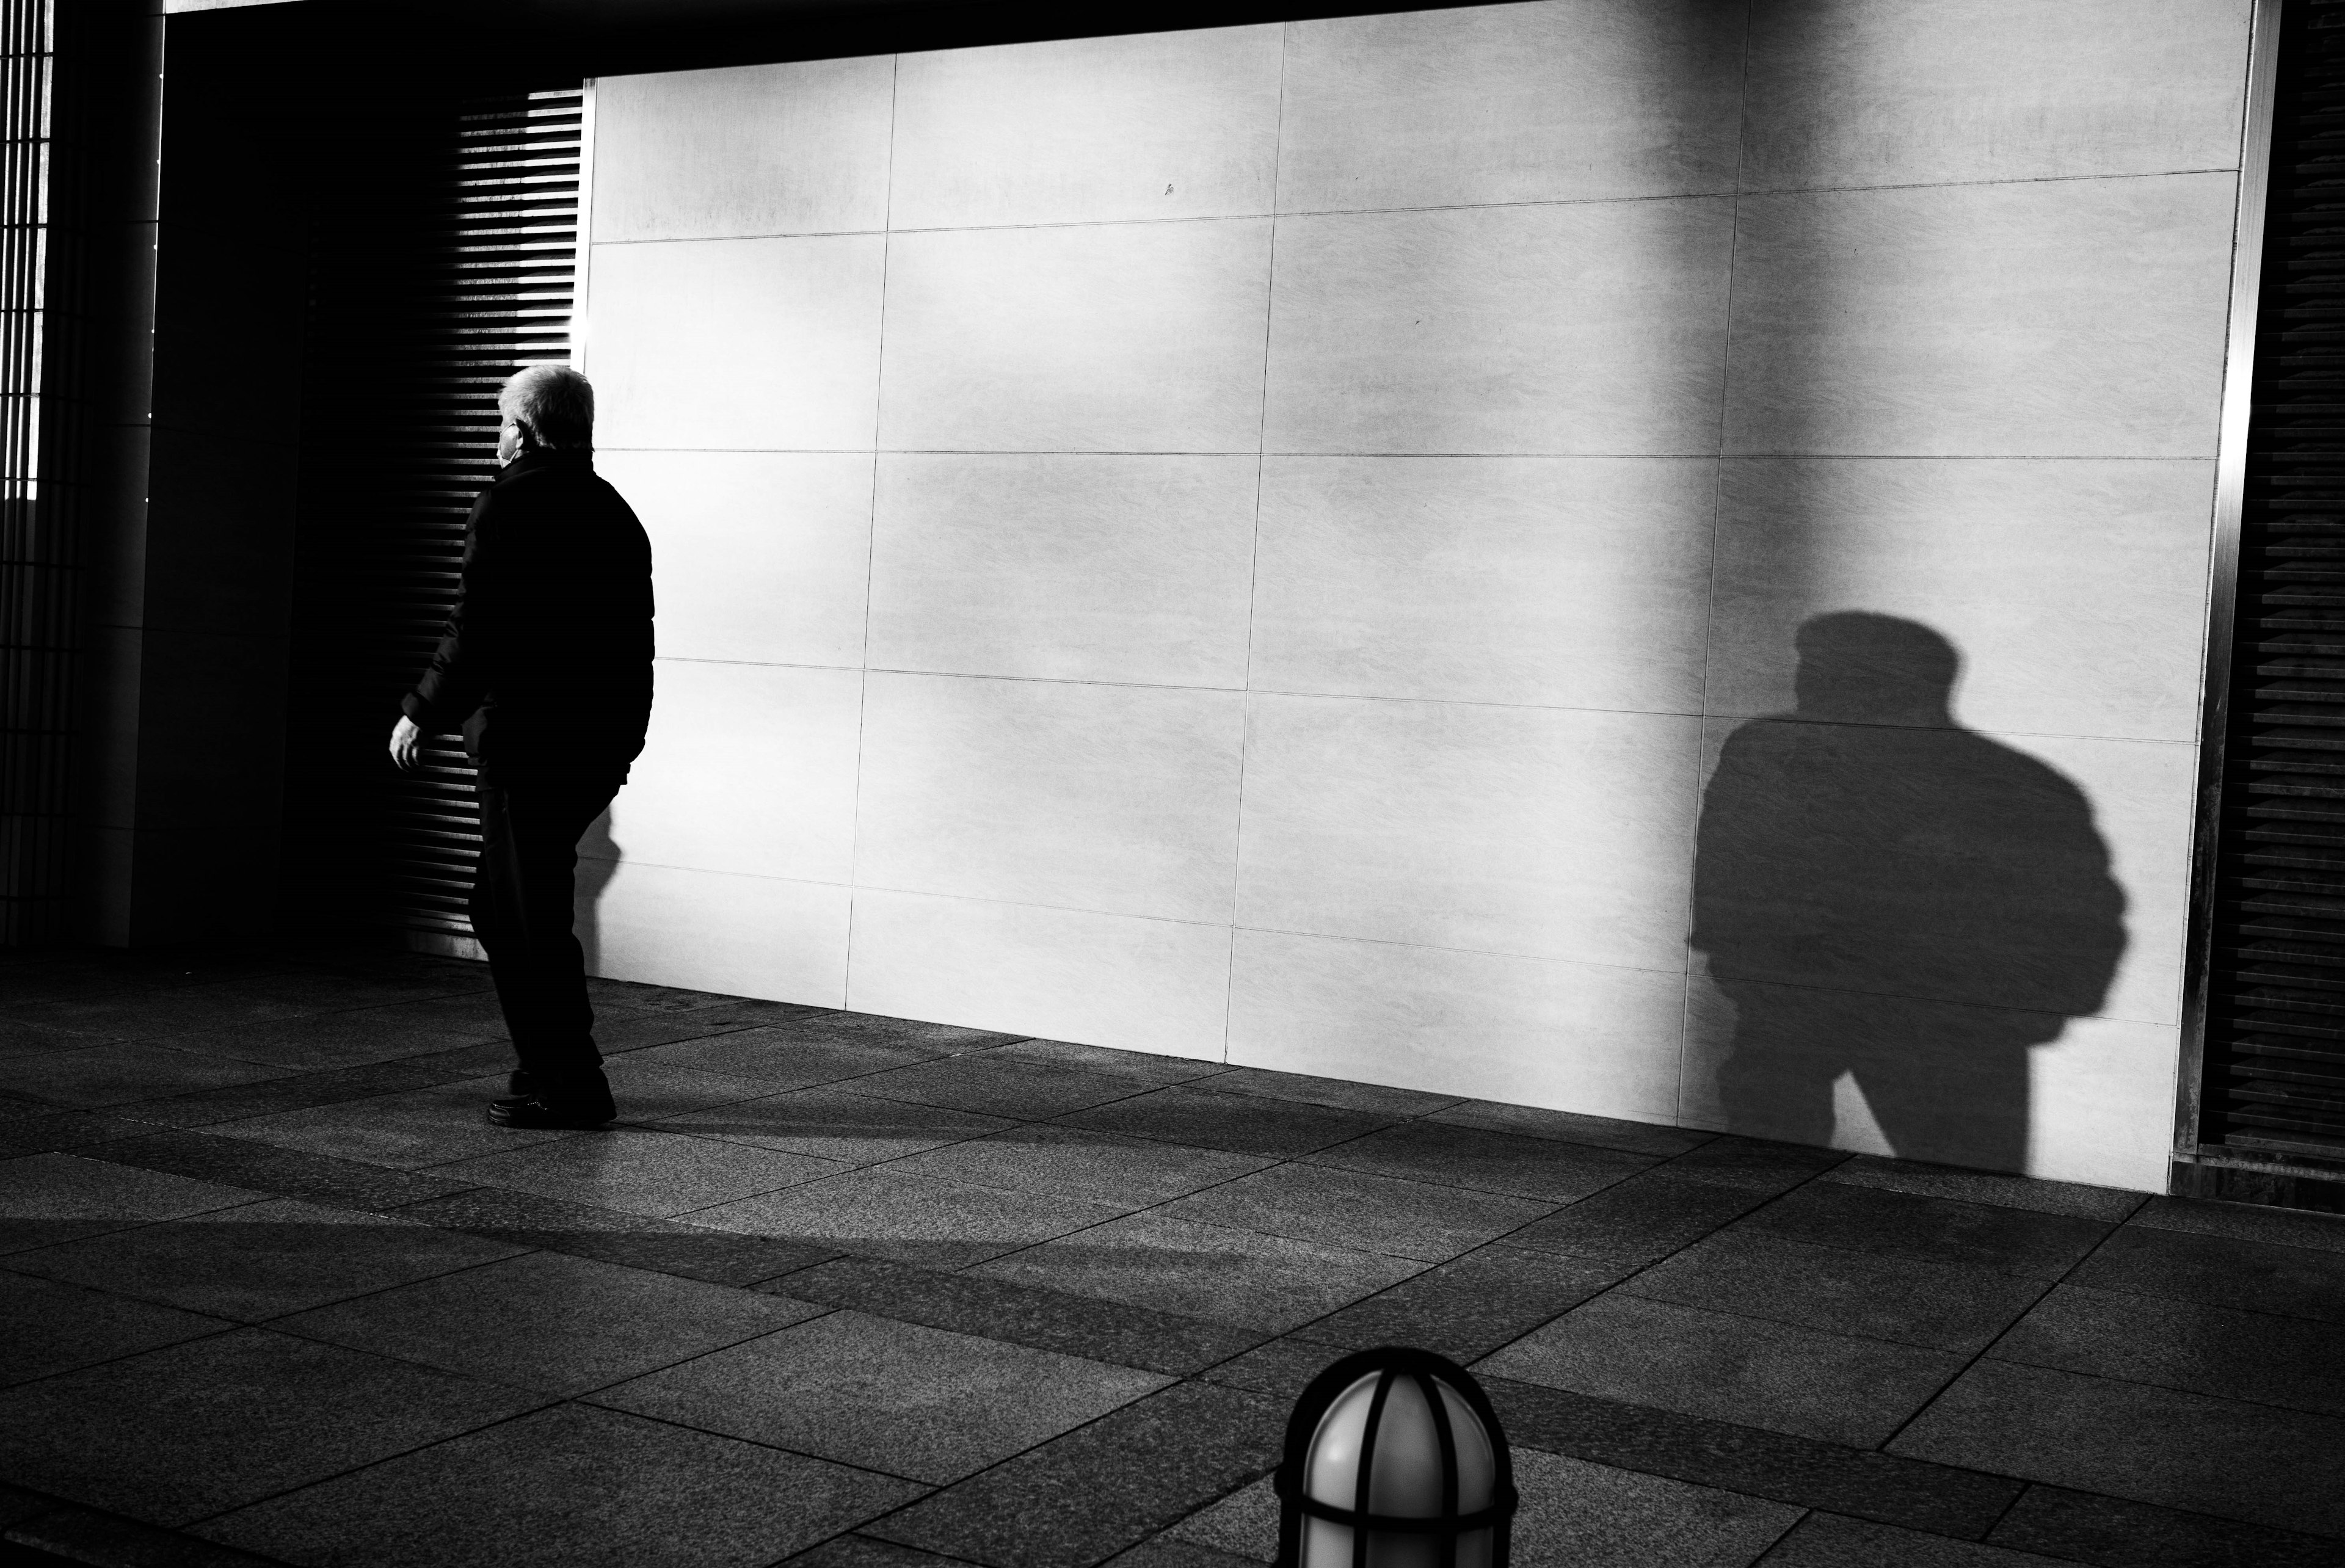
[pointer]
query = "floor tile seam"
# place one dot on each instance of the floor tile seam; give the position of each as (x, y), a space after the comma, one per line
(1988, 1349)
(968, 1111)
(1172, 1387)
(2335, 1324)
(1914, 1255)
(6, 1265)
(1982, 1202)
(933, 1486)
(187, 1528)
(2337, 1251)
(1316, 1160)
(1621, 1287)
(2216, 1520)
(2336, 1415)
(282, 1322)
(1688, 1470)
(1213, 1225)
(1033, 1192)
(106, 1516)
(227, 1326)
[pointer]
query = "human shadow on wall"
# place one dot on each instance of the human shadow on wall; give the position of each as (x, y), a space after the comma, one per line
(1884, 893)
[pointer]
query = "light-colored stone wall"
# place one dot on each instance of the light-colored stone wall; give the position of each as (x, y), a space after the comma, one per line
(1250, 542)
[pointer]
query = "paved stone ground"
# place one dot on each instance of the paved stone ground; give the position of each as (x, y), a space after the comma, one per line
(858, 1292)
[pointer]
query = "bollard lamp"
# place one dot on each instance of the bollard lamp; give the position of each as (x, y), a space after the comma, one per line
(1395, 1459)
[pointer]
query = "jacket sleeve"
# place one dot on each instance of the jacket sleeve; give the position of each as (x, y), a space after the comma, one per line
(457, 680)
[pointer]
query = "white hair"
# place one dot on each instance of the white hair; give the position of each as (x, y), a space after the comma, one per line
(554, 402)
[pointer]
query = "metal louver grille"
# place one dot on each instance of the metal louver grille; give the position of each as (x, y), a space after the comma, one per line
(475, 283)
(2276, 1035)
(38, 575)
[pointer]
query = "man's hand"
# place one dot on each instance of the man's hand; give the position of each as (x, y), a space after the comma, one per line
(403, 736)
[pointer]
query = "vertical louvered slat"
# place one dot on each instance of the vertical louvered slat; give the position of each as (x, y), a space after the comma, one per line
(2275, 1067)
(477, 283)
(38, 560)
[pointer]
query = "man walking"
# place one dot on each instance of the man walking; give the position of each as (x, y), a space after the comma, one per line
(547, 667)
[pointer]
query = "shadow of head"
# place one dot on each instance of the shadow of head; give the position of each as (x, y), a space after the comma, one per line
(1884, 895)
(1865, 669)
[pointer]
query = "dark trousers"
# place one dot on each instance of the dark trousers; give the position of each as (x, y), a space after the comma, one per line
(521, 914)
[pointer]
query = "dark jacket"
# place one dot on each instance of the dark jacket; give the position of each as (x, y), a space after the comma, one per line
(546, 661)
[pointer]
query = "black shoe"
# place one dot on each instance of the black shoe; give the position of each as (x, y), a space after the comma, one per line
(529, 1112)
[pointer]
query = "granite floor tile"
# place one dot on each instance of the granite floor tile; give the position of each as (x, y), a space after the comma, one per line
(1277, 1369)
(615, 1236)
(58, 1131)
(936, 1039)
(1082, 1498)
(1727, 1368)
(1244, 1526)
(70, 1535)
(863, 1551)
(300, 1091)
(2111, 1533)
(261, 1261)
(549, 1322)
(1349, 1207)
(473, 1012)
(1471, 1306)
(1636, 1221)
(2243, 1222)
(1933, 1305)
(1077, 1162)
(265, 1168)
(2103, 1203)
(1086, 1326)
(2188, 1345)
(647, 996)
(406, 1131)
(480, 1059)
(176, 1435)
(124, 1072)
(1756, 1163)
(622, 1032)
(1936, 1499)
(1836, 1540)
(1377, 1099)
(318, 1041)
(18, 1039)
(45, 1198)
(990, 1086)
(899, 1398)
(569, 1487)
(910, 1219)
(334, 988)
(47, 1327)
(835, 1124)
(2154, 1445)
(1567, 1127)
(1488, 1161)
(1238, 1124)
(139, 1012)
(786, 1057)
(1574, 1515)
(1144, 1069)
(641, 1170)
(649, 1091)
(2256, 1277)
(1169, 1551)
(1936, 1229)
(1242, 1277)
